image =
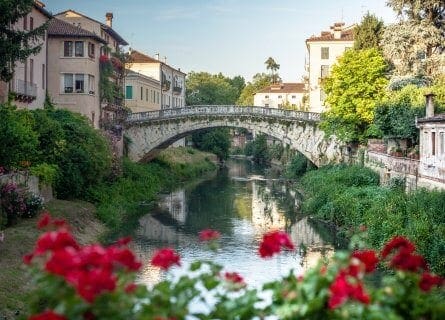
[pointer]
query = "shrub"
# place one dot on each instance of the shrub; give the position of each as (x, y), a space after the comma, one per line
(47, 173)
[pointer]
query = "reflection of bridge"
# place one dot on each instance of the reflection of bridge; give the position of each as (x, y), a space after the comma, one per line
(153, 131)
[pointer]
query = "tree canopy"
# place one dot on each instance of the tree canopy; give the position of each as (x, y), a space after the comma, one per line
(416, 43)
(259, 81)
(368, 33)
(16, 45)
(206, 88)
(273, 66)
(356, 83)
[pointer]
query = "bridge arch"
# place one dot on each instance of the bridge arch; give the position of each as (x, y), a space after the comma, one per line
(150, 132)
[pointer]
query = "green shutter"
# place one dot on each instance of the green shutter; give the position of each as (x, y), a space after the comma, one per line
(129, 92)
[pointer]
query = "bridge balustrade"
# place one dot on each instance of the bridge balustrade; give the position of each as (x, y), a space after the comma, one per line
(222, 110)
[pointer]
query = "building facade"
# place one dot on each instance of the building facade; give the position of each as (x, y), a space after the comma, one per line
(172, 81)
(322, 54)
(29, 83)
(432, 148)
(281, 96)
(79, 48)
(142, 93)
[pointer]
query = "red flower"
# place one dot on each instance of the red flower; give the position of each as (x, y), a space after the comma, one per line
(273, 242)
(209, 235)
(124, 257)
(131, 288)
(368, 258)
(95, 256)
(61, 223)
(63, 261)
(54, 240)
(397, 242)
(103, 58)
(92, 283)
(47, 315)
(27, 258)
(408, 261)
(234, 277)
(341, 290)
(428, 281)
(165, 258)
(123, 241)
(44, 220)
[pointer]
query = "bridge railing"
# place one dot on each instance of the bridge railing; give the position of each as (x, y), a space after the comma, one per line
(222, 110)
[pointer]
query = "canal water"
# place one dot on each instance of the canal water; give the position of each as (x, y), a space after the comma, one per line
(242, 201)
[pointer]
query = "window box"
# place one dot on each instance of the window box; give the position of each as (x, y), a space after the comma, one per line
(68, 89)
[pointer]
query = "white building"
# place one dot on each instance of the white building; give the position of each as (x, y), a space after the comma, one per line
(142, 93)
(281, 96)
(172, 81)
(323, 52)
(29, 83)
(432, 149)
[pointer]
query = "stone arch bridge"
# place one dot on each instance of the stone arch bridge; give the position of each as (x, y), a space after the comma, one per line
(152, 131)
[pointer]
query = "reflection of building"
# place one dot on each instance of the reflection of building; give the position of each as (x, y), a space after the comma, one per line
(323, 52)
(265, 213)
(175, 204)
(281, 96)
(29, 83)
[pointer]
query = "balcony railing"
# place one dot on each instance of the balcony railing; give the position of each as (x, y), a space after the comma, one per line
(25, 89)
(166, 85)
(177, 90)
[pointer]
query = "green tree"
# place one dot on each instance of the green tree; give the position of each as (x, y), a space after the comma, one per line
(16, 45)
(205, 88)
(273, 66)
(18, 140)
(416, 43)
(217, 141)
(259, 81)
(260, 150)
(353, 88)
(368, 33)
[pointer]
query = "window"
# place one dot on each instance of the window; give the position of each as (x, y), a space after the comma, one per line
(91, 84)
(129, 92)
(294, 97)
(25, 22)
(279, 97)
(322, 95)
(146, 94)
(31, 23)
(280, 105)
(433, 143)
(79, 83)
(31, 70)
(158, 97)
(43, 76)
(68, 83)
(67, 48)
(91, 49)
(142, 94)
(266, 97)
(78, 50)
(325, 52)
(442, 142)
(324, 72)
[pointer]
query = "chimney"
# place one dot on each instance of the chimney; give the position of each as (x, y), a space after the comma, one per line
(165, 60)
(109, 19)
(157, 56)
(336, 29)
(429, 104)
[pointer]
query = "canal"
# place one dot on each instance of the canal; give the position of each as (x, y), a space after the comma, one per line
(242, 201)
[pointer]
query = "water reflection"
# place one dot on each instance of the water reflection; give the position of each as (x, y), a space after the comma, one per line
(242, 202)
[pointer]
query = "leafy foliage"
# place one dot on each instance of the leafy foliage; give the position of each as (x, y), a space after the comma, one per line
(216, 141)
(368, 33)
(16, 45)
(298, 166)
(357, 81)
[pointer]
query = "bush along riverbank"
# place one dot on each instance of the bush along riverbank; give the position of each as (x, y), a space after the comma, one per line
(350, 197)
(119, 203)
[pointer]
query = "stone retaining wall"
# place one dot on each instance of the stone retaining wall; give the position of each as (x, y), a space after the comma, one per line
(31, 183)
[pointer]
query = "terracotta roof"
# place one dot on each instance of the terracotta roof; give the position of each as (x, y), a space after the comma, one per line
(103, 26)
(139, 57)
(347, 33)
(284, 88)
(59, 28)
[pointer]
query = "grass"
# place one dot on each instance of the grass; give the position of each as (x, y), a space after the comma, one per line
(19, 240)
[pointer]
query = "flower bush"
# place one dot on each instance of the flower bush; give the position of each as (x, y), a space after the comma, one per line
(97, 282)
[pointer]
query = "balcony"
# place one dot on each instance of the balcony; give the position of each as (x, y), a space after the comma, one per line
(177, 90)
(24, 91)
(166, 85)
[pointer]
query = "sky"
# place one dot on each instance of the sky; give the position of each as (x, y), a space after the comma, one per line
(234, 37)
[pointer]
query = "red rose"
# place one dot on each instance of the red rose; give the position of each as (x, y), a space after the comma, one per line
(92, 283)
(428, 281)
(124, 257)
(368, 258)
(273, 242)
(408, 261)
(165, 258)
(397, 242)
(54, 240)
(209, 235)
(131, 288)
(341, 290)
